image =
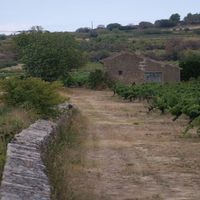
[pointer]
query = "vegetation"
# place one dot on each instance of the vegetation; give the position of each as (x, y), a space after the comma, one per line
(192, 18)
(190, 65)
(57, 56)
(146, 41)
(21, 103)
(65, 156)
(7, 52)
(48, 55)
(172, 36)
(31, 93)
(178, 99)
(97, 80)
(76, 78)
(12, 121)
(90, 75)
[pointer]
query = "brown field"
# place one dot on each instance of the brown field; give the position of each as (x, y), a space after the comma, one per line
(132, 155)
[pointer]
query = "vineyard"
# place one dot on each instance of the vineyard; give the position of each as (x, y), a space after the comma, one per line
(177, 99)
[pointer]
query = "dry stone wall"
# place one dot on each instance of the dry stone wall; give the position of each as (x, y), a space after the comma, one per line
(24, 176)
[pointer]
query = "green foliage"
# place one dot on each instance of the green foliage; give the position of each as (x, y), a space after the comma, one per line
(97, 80)
(164, 23)
(48, 55)
(7, 63)
(144, 25)
(77, 79)
(178, 99)
(96, 56)
(113, 26)
(31, 93)
(190, 65)
(12, 121)
(192, 18)
(197, 31)
(3, 37)
(80, 77)
(175, 18)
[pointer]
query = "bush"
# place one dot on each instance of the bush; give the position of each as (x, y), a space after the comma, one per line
(97, 80)
(76, 79)
(190, 65)
(197, 31)
(31, 93)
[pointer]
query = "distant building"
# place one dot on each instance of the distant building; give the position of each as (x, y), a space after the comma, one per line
(130, 68)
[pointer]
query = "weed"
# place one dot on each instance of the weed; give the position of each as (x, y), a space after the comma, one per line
(64, 159)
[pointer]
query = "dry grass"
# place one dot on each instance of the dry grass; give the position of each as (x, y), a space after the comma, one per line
(17, 68)
(12, 121)
(65, 159)
(131, 154)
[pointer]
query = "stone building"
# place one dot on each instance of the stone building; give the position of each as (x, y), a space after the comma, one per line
(130, 68)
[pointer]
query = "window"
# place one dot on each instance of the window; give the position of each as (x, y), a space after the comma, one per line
(152, 77)
(120, 72)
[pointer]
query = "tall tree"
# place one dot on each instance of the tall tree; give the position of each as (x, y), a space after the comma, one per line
(48, 55)
(175, 18)
(113, 26)
(192, 18)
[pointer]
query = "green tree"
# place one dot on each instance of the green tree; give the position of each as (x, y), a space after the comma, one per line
(164, 23)
(175, 18)
(190, 65)
(113, 26)
(192, 18)
(144, 25)
(48, 55)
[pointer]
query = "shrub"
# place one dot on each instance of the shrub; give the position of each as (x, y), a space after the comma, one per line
(97, 80)
(197, 31)
(78, 78)
(190, 65)
(31, 93)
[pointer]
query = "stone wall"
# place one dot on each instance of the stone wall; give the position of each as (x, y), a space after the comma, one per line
(24, 175)
(128, 68)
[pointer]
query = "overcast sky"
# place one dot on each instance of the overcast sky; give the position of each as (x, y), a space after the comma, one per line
(68, 15)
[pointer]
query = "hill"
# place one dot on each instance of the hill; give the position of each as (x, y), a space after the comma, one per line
(166, 44)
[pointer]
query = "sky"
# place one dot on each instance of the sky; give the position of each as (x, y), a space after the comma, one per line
(68, 15)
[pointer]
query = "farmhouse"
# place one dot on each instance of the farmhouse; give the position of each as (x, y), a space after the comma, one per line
(130, 68)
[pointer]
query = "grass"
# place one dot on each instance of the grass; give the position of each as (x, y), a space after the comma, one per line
(91, 66)
(12, 121)
(65, 159)
(16, 68)
(17, 113)
(13, 71)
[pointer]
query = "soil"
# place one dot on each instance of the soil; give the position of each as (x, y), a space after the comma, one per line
(133, 155)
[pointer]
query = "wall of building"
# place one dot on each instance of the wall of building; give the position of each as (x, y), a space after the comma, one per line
(128, 64)
(133, 69)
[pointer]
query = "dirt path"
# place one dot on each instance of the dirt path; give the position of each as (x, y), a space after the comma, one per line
(132, 155)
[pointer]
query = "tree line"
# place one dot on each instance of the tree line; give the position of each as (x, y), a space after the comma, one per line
(174, 20)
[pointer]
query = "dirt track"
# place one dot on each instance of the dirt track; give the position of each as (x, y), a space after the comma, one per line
(132, 155)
